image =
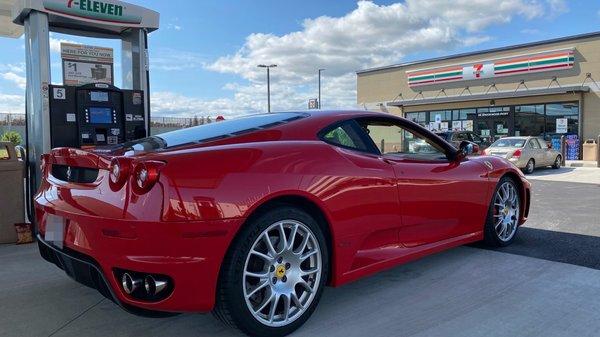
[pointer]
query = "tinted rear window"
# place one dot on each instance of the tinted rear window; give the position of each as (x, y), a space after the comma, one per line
(214, 131)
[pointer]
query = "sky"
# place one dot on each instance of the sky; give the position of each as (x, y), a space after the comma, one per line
(203, 58)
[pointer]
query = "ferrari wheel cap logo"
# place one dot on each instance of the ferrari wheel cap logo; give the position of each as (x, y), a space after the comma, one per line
(280, 271)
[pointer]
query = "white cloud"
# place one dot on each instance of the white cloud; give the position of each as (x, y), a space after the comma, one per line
(13, 67)
(55, 44)
(14, 104)
(19, 80)
(174, 27)
(557, 7)
(369, 36)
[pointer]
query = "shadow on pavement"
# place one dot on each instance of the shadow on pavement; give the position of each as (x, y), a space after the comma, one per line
(548, 171)
(577, 249)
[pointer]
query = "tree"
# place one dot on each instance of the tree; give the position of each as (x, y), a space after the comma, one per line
(13, 137)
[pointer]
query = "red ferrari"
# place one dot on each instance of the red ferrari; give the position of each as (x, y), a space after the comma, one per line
(250, 218)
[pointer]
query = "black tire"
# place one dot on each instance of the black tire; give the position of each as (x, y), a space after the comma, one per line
(530, 167)
(230, 307)
(557, 162)
(490, 236)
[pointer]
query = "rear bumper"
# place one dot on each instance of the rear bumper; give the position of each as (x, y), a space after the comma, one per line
(86, 271)
(189, 253)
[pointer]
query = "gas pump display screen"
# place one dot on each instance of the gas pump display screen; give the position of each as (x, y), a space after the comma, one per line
(100, 115)
(99, 96)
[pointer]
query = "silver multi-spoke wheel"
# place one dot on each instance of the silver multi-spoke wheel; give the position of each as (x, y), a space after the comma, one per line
(282, 273)
(506, 211)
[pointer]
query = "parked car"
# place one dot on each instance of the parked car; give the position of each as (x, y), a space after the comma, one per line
(526, 153)
(456, 137)
(251, 218)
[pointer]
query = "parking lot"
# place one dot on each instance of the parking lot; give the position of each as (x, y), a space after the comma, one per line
(545, 284)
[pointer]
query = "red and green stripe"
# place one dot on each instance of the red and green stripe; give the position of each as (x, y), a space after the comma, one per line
(535, 63)
(435, 76)
(555, 60)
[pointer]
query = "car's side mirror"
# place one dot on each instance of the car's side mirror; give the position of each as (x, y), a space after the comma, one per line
(466, 148)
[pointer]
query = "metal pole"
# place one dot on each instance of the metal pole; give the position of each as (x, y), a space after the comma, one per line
(563, 149)
(319, 105)
(268, 90)
(319, 102)
(598, 151)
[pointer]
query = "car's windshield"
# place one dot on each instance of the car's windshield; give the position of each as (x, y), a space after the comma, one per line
(212, 131)
(509, 142)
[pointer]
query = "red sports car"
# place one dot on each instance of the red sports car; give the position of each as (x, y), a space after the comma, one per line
(250, 218)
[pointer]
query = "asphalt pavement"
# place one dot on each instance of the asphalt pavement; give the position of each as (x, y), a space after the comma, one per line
(563, 225)
(545, 284)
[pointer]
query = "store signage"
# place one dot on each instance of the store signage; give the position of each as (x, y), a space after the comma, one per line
(83, 64)
(111, 11)
(539, 62)
(492, 114)
(313, 103)
(562, 125)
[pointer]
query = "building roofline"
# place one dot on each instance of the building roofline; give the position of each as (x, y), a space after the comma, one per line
(492, 50)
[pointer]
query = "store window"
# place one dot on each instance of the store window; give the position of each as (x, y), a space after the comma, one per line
(529, 120)
(463, 114)
(568, 111)
(417, 117)
(442, 115)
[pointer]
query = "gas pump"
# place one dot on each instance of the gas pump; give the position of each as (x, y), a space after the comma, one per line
(95, 115)
(89, 115)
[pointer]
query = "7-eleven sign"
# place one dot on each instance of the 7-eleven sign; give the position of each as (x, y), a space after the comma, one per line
(478, 70)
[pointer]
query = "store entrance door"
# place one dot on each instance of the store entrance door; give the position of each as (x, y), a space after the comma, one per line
(493, 123)
(492, 129)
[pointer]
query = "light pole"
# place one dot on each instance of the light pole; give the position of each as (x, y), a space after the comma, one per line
(320, 70)
(268, 83)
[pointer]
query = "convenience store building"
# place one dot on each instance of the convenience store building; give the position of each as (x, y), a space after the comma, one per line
(549, 88)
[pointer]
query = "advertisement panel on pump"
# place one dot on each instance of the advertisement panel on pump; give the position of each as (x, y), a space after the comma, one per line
(84, 64)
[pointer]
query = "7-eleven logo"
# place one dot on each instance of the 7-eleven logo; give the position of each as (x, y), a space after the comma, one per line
(477, 69)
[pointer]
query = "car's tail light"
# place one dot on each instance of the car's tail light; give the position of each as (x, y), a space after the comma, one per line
(119, 172)
(145, 175)
(517, 153)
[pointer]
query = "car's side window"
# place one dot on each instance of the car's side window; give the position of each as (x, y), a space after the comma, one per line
(533, 143)
(395, 141)
(474, 138)
(459, 137)
(344, 135)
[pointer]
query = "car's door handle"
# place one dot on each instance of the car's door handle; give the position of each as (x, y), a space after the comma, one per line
(387, 161)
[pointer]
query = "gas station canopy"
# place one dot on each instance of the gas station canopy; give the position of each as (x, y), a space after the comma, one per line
(7, 27)
(98, 17)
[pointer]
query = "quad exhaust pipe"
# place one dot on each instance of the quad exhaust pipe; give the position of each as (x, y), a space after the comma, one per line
(129, 283)
(143, 286)
(153, 286)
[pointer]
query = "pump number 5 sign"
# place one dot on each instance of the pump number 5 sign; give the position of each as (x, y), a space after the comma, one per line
(58, 93)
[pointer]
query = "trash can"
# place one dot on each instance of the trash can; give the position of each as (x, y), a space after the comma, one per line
(11, 198)
(590, 150)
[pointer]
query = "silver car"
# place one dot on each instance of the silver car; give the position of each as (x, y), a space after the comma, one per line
(526, 153)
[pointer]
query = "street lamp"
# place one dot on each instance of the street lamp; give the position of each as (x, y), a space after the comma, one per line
(320, 70)
(268, 83)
